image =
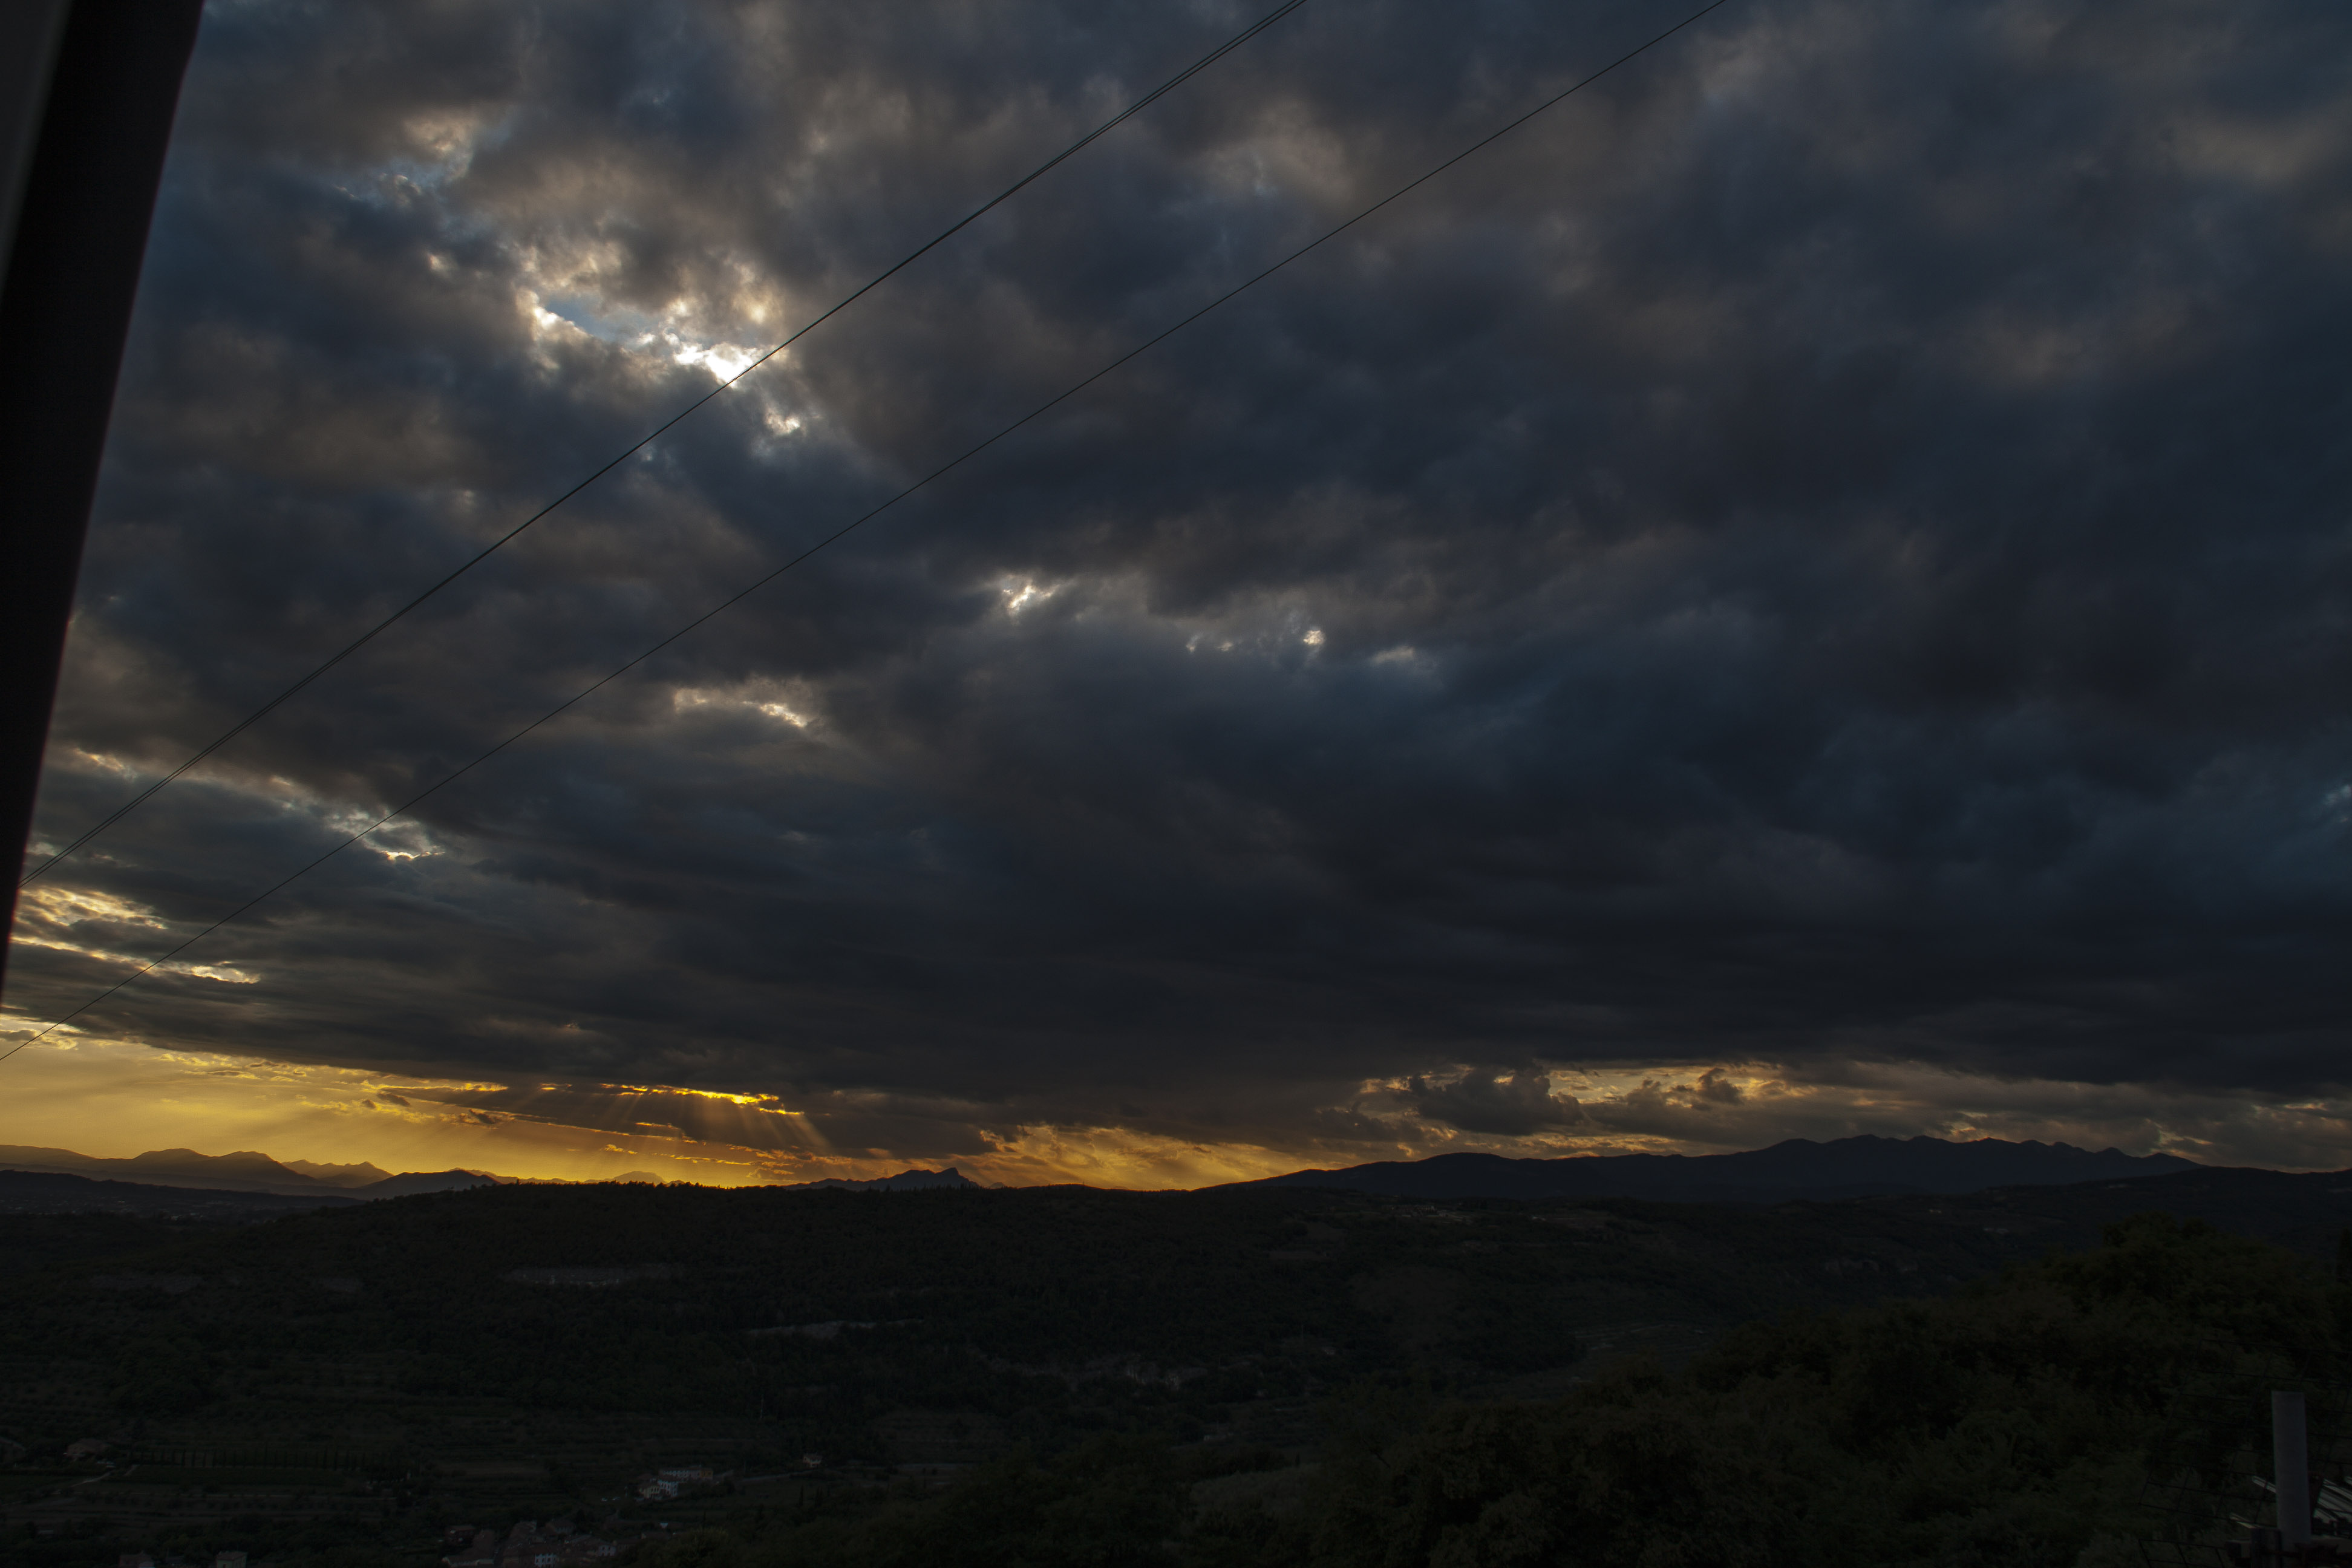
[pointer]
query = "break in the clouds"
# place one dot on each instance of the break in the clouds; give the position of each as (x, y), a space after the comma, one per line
(1828, 549)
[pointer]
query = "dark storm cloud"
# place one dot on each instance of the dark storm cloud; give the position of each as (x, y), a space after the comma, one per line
(1487, 1101)
(1831, 543)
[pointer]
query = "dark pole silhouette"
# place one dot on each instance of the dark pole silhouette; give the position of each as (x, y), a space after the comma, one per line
(90, 89)
(2291, 1465)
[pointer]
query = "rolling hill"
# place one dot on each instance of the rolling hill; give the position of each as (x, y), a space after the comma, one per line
(1797, 1169)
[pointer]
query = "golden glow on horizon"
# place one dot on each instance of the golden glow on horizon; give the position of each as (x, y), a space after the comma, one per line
(767, 1103)
(115, 1097)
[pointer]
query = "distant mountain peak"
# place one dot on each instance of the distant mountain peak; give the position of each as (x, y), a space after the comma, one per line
(357, 1175)
(413, 1182)
(188, 1158)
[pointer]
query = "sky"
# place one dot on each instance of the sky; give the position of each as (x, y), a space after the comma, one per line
(1805, 591)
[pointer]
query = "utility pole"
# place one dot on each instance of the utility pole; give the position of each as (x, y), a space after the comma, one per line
(2283, 1544)
(2290, 1466)
(87, 94)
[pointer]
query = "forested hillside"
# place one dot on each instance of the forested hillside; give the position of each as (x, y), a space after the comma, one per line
(1231, 1361)
(2077, 1411)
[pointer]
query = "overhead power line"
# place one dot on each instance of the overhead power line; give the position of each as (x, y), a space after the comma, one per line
(855, 523)
(250, 720)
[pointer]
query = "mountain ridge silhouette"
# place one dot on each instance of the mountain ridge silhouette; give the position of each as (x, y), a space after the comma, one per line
(1796, 1168)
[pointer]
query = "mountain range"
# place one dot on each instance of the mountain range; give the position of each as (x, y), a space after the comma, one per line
(248, 1171)
(244, 1172)
(1799, 1168)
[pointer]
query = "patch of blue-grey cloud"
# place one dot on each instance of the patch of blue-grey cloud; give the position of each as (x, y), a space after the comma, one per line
(1833, 542)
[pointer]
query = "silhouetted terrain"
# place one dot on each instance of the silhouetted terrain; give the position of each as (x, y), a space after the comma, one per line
(1798, 1168)
(245, 1172)
(377, 1371)
(2305, 1213)
(48, 1192)
(904, 1182)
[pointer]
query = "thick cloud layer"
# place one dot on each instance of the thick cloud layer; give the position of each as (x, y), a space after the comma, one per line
(1830, 546)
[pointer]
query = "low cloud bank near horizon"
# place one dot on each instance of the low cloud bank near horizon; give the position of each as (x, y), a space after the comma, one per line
(1829, 550)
